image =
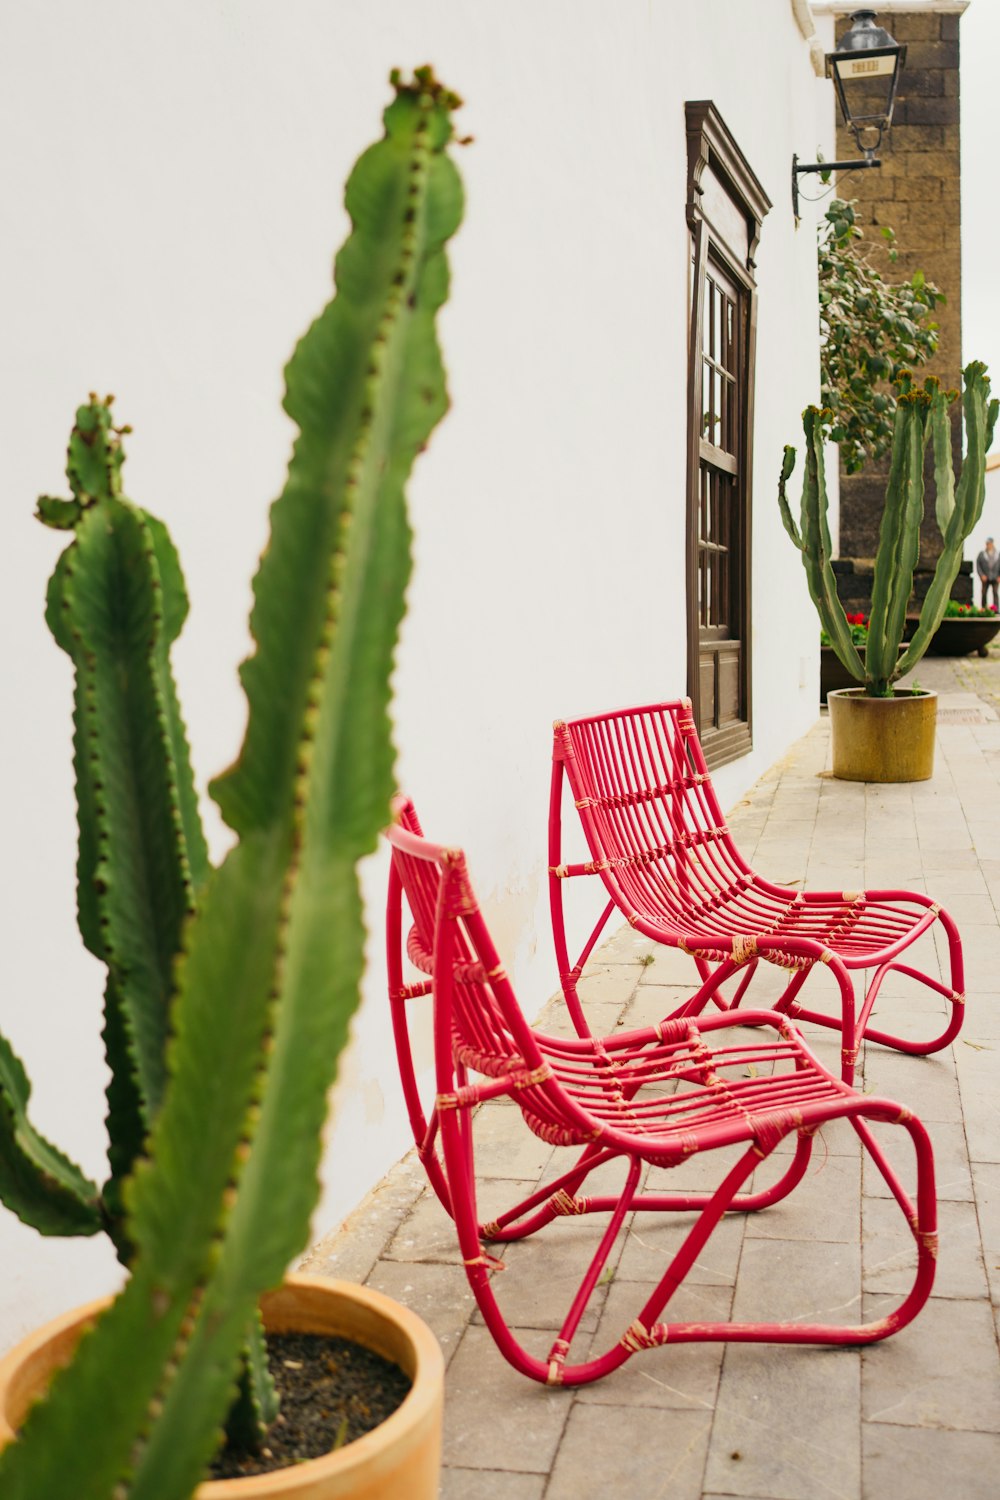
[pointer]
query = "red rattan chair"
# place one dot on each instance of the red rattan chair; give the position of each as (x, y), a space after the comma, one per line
(659, 843)
(653, 1096)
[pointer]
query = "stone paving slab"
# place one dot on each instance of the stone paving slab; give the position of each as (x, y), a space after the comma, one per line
(616, 1450)
(494, 1417)
(942, 1371)
(786, 1424)
(917, 1415)
(496, 1484)
(890, 1256)
(916, 1462)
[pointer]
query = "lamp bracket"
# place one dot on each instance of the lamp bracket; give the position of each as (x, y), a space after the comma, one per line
(799, 167)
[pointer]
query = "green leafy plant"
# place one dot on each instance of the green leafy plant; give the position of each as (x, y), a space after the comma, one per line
(953, 610)
(920, 414)
(229, 990)
(871, 330)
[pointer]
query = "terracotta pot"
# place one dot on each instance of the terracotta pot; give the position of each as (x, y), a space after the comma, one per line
(882, 739)
(401, 1457)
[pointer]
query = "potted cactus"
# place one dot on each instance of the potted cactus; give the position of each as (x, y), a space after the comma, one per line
(881, 733)
(229, 990)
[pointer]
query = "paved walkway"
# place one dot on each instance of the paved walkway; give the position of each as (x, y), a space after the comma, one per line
(917, 1416)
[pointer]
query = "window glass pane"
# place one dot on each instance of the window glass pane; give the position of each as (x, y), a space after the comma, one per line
(707, 402)
(718, 303)
(719, 529)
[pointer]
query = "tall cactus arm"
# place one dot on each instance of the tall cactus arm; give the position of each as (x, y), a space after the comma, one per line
(944, 470)
(125, 1120)
(816, 545)
(889, 528)
(980, 420)
(348, 353)
(980, 423)
(787, 465)
(129, 872)
(181, 776)
(902, 491)
(142, 852)
(908, 547)
(343, 767)
(116, 603)
(37, 1182)
(278, 931)
(949, 520)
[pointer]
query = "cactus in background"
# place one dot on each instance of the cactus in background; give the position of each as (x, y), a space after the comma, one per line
(958, 508)
(270, 955)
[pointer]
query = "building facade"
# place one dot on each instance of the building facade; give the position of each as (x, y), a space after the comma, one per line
(630, 338)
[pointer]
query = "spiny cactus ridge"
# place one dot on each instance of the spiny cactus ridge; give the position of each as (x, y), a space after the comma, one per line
(271, 942)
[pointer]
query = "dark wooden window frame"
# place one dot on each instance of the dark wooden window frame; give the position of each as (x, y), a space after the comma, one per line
(711, 148)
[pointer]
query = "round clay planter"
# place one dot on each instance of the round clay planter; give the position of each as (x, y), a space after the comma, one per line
(959, 635)
(882, 739)
(401, 1457)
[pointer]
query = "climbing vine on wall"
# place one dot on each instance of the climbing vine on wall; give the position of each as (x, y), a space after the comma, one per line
(871, 329)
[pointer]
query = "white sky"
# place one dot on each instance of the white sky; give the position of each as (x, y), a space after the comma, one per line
(980, 83)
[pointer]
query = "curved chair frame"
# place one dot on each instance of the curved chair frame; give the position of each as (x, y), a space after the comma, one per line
(656, 1095)
(659, 843)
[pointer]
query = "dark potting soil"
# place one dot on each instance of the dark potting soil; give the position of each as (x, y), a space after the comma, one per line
(332, 1391)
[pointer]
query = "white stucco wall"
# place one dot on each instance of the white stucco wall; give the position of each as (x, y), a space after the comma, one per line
(171, 204)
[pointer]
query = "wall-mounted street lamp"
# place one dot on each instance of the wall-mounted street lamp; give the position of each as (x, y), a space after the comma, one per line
(865, 70)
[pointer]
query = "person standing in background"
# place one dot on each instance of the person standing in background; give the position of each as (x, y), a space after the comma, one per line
(988, 568)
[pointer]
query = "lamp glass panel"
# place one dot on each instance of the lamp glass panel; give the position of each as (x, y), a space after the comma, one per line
(867, 84)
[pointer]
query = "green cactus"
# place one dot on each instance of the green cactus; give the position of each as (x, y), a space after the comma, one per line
(116, 603)
(919, 413)
(262, 984)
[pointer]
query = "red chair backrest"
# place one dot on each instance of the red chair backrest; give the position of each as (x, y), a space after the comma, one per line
(443, 907)
(649, 810)
(477, 1020)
